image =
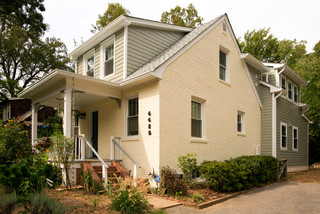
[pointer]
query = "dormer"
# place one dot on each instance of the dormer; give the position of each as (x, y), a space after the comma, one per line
(123, 46)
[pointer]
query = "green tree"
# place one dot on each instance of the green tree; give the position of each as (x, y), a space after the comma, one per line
(114, 10)
(308, 68)
(24, 55)
(182, 16)
(268, 48)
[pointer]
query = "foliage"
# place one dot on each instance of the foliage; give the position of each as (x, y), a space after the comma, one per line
(24, 55)
(129, 201)
(268, 48)
(52, 125)
(114, 10)
(240, 173)
(27, 176)
(171, 182)
(197, 197)
(14, 143)
(182, 16)
(63, 154)
(188, 165)
(90, 185)
(7, 202)
(42, 204)
(308, 68)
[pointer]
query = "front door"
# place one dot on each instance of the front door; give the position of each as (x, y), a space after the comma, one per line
(94, 131)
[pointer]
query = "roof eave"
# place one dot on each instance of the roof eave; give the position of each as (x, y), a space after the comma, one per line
(254, 62)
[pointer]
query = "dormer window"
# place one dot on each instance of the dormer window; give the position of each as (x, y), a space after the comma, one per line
(295, 91)
(88, 59)
(107, 57)
(290, 90)
(283, 82)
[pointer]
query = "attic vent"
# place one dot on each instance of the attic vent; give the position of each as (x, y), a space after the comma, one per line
(224, 27)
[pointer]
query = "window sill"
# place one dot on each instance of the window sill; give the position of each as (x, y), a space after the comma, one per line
(295, 150)
(241, 134)
(198, 140)
(283, 149)
(130, 138)
(224, 82)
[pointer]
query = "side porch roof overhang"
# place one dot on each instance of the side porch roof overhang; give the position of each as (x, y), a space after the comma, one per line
(49, 90)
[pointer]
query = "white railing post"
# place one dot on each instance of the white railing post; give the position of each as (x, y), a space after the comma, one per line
(83, 149)
(104, 175)
(134, 174)
(111, 149)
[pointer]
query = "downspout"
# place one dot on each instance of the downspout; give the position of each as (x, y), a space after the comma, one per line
(274, 123)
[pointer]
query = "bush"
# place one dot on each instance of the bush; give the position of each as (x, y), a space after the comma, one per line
(7, 202)
(27, 176)
(171, 182)
(240, 173)
(188, 165)
(40, 203)
(129, 201)
(14, 143)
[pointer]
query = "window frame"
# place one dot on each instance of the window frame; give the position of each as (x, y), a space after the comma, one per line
(103, 46)
(87, 56)
(135, 96)
(285, 84)
(226, 66)
(202, 111)
(286, 146)
(293, 138)
(241, 114)
(288, 89)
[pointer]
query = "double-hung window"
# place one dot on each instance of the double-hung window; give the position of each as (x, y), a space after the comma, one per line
(196, 119)
(107, 53)
(133, 116)
(295, 92)
(290, 90)
(88, 60)
(223, 65)
(240, 122)
(283, 82)
(294, 138)
(283, 136)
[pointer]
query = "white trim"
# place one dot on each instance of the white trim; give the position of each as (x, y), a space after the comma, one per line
(281, 147)
(125, 52)
(86, 56)
(34, 126)
(227, 69)
(295, 149)
(129, 97)
(104, 45)
(274, 125)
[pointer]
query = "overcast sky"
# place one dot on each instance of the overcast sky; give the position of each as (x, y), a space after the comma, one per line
(71, 19)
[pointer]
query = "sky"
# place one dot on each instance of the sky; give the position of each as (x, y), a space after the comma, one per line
(72, 20)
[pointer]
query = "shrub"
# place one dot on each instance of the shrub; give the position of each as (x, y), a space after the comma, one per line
(7, 202)
(188, 165)
(129, 201)
(197, 197)
(90, 185)
(171, 182)
(14, 143)
(40, 203)
(239, 173)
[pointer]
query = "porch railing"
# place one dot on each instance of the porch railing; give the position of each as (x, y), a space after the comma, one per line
(80, 153)
(115, 144)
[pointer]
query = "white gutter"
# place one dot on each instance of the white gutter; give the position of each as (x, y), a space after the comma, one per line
(274, 121)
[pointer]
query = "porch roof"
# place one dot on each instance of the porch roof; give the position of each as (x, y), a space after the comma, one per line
(49, 90)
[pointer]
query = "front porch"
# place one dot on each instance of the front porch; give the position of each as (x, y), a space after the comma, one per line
(87, 103)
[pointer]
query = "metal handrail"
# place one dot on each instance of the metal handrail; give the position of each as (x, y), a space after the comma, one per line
(133, 161)
(93, 150)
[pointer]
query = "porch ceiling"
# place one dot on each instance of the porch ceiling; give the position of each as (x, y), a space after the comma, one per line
(49, 90)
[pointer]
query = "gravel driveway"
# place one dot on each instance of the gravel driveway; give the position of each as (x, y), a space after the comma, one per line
(283, 197)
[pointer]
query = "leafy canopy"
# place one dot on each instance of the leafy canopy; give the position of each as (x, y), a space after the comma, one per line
(182, 16)
(114, 10)
(24, 55)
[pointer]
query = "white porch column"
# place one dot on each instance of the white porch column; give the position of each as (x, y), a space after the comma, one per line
(34, 126)
(67, 113)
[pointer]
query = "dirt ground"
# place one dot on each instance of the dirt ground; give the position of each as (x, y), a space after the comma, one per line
(78, 201)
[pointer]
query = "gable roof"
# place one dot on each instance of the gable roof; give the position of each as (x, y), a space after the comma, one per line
(118, 24)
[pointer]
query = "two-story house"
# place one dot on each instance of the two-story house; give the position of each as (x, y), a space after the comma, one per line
(160, 91)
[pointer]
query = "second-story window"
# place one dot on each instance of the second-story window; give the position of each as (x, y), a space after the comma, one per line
(88, 60)
(290, 90)
(283, 82)
(222, 65)
(90, 66)
(108, 61)
(295, 91)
